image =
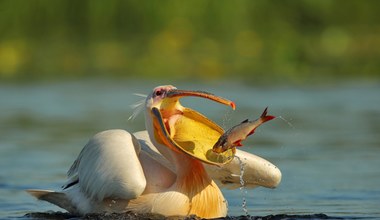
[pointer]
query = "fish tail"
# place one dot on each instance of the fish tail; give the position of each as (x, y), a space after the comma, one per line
(264, 117)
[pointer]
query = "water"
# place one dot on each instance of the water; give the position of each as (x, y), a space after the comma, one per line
(243, 190)
(329, 158)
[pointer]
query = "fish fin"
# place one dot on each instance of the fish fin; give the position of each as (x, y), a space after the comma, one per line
(251, 132)
(264, 117)
(238, 143)
(245, 121)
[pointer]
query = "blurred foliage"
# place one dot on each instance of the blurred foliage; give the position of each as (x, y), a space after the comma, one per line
(250, 40)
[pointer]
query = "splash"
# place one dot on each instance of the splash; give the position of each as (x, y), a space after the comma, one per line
(226, 118)
(286, 121)
(243, 190)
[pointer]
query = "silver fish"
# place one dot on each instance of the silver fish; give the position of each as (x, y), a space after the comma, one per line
(235, 135)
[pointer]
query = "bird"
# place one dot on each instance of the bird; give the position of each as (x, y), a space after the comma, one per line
(168, 169)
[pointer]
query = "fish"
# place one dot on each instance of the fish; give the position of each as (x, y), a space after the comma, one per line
(238, 133)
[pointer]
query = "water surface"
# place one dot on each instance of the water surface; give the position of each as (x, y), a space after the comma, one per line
(329, 155)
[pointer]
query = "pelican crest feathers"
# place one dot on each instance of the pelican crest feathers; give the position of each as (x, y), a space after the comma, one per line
(137, 106)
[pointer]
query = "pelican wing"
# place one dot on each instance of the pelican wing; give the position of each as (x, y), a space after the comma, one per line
(109, 167)
(256, 172)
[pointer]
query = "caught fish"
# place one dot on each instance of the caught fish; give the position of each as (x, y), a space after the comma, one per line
(235, 135)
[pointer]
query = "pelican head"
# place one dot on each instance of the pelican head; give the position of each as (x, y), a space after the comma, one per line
(183, 129)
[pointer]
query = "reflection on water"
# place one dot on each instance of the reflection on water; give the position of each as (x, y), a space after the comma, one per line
(329, 158)
(133, 216)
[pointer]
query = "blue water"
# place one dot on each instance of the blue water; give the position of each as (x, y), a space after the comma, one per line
(329, 154)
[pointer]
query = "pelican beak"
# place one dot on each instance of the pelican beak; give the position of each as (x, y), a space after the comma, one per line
(181, 93)
(185, 130)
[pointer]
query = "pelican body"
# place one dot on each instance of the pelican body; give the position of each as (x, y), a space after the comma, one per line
(169, 169)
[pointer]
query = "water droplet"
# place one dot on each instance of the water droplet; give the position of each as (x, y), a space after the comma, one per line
(226, 118)
(111, 203)
(243, 190)
(287, 121)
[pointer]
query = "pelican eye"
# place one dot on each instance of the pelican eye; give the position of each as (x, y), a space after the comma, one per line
(159, 92)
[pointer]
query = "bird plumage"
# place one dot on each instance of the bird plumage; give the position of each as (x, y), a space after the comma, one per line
(258, 172)
(155, 171)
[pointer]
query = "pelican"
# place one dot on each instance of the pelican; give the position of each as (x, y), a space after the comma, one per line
(169, 169)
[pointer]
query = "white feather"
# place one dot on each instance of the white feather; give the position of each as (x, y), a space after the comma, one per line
(111, 166)
(140, 94)
(138, 106)
(106, 164)
(257, 172)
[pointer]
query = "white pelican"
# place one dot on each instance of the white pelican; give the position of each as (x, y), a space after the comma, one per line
(169, 169)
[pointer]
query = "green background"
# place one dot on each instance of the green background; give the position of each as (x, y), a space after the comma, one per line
(255, 41)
